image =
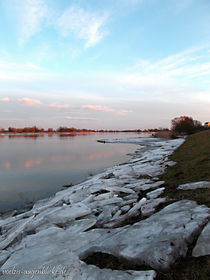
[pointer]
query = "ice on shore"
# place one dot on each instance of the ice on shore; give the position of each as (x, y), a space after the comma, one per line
(202, 247)
(195, 185)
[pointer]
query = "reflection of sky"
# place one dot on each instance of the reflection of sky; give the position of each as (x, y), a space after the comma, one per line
(32, 162)
(103, 154)
(31, 169)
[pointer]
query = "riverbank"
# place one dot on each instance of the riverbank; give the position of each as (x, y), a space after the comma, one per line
(118, 213)
(193, 165)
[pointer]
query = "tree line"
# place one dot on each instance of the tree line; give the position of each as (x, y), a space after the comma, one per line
(182, 125)
(64, 129)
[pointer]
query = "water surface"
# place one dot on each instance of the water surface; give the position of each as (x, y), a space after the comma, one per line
(35, 167)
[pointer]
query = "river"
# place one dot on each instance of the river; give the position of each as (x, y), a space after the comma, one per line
(35, 167)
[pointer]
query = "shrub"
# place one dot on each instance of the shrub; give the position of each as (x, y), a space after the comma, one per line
(185, 125)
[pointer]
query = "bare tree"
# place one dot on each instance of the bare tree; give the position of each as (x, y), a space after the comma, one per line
(185, 125)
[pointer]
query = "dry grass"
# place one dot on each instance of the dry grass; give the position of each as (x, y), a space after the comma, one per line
(167, 134)
(193, 164)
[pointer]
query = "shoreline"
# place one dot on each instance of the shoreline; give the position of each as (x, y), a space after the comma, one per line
(117, 202)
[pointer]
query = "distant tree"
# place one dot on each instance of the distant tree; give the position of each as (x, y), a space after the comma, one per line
(185, 125)
(11, 129)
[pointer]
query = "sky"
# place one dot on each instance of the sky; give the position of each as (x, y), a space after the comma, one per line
(104, 64)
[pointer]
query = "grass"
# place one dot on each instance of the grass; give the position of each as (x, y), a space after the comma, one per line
(193, 164)
(188, 269)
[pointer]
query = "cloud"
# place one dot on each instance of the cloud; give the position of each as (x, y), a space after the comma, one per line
(98, 108)
(59, 106)
(29, 101)
(83, 24)
(187, 64)
(124, 112)
(79, 119)
(183, 73)
(105, 109)
(5, 99)
(13, 71)
(30, 15)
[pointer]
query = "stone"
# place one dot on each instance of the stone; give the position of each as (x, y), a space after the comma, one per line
(202, 247)
(194, 186)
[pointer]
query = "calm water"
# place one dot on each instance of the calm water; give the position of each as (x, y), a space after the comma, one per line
(32, 168)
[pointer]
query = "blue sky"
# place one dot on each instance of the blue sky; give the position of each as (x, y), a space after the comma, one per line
(119, 64)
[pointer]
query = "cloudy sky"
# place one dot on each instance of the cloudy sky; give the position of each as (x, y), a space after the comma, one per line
(119, 64)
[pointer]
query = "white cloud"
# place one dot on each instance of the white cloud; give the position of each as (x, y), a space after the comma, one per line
(98, 108)
(12, 71)
(30, 15)
(29, 101)
(59, 106)
(85, 25)
(5, 99)
(105, 109)
(182, 72)
(124, 112)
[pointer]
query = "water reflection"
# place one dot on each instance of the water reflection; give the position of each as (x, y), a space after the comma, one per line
(31, 170)
(7, 164)
(59, 158)
(32, 136)
(32, 162)
(102, 155)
